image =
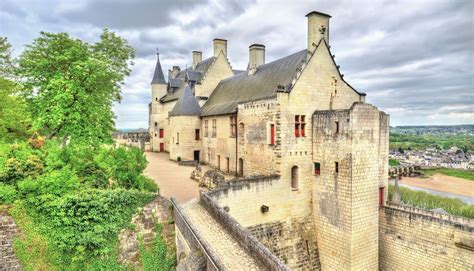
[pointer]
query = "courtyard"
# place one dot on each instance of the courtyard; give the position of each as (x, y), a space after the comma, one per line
(172, 179)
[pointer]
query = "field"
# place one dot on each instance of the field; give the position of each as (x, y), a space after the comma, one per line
(440, 141)
(464, 174)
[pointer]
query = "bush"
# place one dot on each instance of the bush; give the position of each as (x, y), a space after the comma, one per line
(56, 183)
(84, 224)
(7, 193)
(21, 161)
(149, 185)
(157, 257)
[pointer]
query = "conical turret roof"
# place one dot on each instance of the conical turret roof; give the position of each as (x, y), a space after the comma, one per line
(186, 104)
(158, 77)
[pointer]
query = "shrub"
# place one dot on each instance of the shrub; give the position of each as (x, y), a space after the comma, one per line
(84, 224)
(157, 257)
(21, 161)
(56, 183)
(149, 185)
(7, 193)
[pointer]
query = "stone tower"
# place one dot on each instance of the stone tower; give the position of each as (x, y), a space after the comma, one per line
(158, 90)
(349, 188)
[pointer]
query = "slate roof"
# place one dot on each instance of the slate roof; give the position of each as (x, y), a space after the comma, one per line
(186, 104)
(196, 75)
(238, 71)
(262, 85)
(158, 77)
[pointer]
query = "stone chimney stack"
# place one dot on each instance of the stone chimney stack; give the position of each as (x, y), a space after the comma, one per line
(256, 57)
(197, 58)
(318, 27)
(220, 45)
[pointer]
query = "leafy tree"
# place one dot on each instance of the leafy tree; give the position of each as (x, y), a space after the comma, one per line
(14, 116)
(71, 85)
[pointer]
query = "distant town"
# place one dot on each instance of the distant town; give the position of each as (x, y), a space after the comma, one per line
(432, 146)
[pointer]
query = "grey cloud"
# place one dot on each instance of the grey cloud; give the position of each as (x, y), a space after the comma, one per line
(129, 14)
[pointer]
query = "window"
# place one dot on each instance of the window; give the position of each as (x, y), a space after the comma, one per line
(337, 127)
(294, 178)
(336, 167)
(162, 133)
(272, 134)
(233, 126)
(241, 167)
(381, 196)
(228, 164)
(155, 134)
(197, 135)
(177, 138)
(214, 127)
(241, 133)
(156, 123)
(300, 125)
(209, 155)
(317, 169)
(219, 162)
(206, 129)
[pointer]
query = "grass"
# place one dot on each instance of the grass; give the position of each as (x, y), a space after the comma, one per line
(31, 248)
(464, 174)
(428, 201)
(393, 162)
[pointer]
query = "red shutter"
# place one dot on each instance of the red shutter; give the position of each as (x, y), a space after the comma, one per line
(162, 133)
(297, 130)
(381, 195)
(302, 129)
(272, 134)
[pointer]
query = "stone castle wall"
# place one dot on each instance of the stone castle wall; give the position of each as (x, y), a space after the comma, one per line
(216, 150)
(244, 200)
(292, 241)
(346, 190)
(8, 230)
(259, 156)
(183, 141)
(414, 239)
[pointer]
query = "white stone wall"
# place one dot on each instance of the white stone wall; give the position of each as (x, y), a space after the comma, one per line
(186, 144)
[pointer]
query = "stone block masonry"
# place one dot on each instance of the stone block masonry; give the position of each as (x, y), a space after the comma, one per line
(414, 239)
(8, 230)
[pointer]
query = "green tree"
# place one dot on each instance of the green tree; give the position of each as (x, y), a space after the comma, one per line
(14, 116)
(71, 85)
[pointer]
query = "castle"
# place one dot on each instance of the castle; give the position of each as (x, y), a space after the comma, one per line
(312, 164)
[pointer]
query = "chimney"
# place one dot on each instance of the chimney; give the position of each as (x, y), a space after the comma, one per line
(197, 58)
(318, 27)
(256, 57)
(220, 45)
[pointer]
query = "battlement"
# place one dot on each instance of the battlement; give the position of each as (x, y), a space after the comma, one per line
(462, 223)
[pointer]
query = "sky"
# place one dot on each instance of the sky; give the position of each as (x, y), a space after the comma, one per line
(413, 58)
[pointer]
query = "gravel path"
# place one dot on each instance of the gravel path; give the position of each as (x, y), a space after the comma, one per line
(173, 180)
(442, 183)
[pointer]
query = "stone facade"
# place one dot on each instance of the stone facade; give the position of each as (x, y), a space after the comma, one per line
(8, 231)
(413, 239)
(310, 158)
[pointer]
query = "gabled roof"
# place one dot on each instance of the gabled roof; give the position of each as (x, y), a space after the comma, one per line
(262, 85)
(186, 104)
(197, 74)
(158, 77)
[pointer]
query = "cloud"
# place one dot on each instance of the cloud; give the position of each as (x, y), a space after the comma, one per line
(414, 59)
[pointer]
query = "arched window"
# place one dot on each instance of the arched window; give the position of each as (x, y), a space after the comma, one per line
(241, 133)
(294, 178)
(241, 167)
